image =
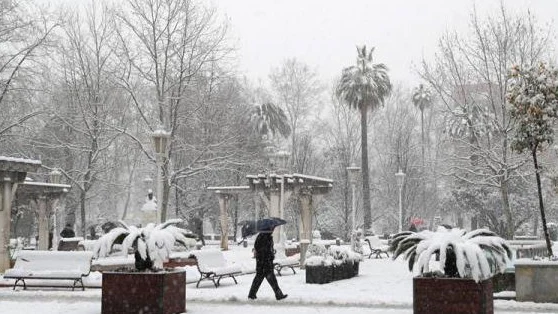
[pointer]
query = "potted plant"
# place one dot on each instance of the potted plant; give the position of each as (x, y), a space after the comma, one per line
(318, 265)
(467, 261)
(148, 288)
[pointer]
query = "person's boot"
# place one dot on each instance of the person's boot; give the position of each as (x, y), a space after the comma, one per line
(281, 296)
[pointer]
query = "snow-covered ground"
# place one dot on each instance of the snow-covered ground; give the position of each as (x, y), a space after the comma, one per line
(383, 286)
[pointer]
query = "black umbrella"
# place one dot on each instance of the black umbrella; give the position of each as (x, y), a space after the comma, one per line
(251, 227)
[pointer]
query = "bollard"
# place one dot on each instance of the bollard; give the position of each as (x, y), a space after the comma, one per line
(337, 241)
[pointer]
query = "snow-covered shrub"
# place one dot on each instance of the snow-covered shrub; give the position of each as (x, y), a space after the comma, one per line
(316, 234)
(316, 260)
(338, 252)
(316, 250)
(151, 245)
(478, 254)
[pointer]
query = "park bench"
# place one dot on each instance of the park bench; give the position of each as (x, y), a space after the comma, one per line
(282, 261)
(50, 265)
(70, 244)
(212, 265)
(376, 247)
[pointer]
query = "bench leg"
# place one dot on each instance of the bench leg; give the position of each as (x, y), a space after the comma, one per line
(294, 272)
(18, 280)
(80, 281)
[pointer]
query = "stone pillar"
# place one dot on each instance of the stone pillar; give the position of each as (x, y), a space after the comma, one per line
(43, 223)
(305, 201)
(274, 202)
(224, 200)
(5, 218)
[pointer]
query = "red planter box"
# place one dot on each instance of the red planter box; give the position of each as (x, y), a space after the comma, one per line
(144, 292)
(452, 295)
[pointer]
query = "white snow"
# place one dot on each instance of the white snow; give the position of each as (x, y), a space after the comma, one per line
(382, 286)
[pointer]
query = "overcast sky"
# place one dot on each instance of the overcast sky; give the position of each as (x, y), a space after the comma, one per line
(323, 33)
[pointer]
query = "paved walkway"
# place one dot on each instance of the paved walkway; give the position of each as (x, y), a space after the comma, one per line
(58, 301)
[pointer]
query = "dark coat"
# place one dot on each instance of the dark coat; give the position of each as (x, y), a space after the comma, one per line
(67, 233)
(264, 249)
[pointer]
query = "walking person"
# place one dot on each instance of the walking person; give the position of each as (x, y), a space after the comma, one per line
(263, 248)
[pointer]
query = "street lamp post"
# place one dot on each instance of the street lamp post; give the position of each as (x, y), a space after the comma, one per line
(352, 174)
(160, 141)
(400, 176)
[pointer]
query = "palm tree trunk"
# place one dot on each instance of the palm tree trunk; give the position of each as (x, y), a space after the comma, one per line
(365, 172)
(423, 162)
(541, 204)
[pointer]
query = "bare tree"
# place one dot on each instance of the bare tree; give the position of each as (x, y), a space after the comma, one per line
(169, 47)
(297, 90)
(24, 30)
(469, 77)
(80, 130)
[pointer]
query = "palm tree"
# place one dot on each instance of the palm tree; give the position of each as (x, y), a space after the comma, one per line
(478, 254)
(422, 99)
(269, 119)
(364, 86)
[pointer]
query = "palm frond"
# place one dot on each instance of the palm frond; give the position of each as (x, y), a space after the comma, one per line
(477, 254)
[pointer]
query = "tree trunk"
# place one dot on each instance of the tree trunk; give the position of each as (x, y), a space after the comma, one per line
(166, 190)
(423, 186)
(541, 204)
(82, 198)
(365, 172)
(510, 229)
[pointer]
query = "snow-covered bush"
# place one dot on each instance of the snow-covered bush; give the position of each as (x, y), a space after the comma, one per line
(316, 250)
(478, 254)
(316, 234)
(151, 245)
(316, 260)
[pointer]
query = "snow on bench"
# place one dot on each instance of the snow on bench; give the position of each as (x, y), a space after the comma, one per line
(69, 265)
(282, 261)
(212, 265)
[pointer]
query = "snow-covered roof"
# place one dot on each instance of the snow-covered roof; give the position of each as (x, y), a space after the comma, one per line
(20, 160)
(228, 188)
(18, 164)
(46, 184)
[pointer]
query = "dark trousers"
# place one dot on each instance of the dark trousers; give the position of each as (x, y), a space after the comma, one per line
(265, 270)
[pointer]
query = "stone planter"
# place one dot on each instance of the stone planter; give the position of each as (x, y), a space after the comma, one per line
(180, 262)
(536, 281)
(144, 292)
(504, 281)
(452, 295)
(327, 274)
(319, 274)
(355, 268)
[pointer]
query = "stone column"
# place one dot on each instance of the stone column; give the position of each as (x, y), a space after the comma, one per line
(274, 202)
(224, 200)
(305, 201)
(6, 185)
(43, 223)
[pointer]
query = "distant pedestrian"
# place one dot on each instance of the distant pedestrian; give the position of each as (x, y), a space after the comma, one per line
(413, 228)
(263, 249)
(68, 232)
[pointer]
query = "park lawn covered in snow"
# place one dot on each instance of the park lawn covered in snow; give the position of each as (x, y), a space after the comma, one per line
(382, 286)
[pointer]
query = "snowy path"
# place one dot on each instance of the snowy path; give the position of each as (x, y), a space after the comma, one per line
(383, 286)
